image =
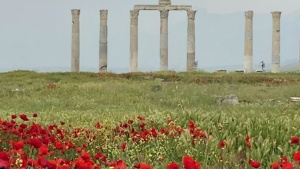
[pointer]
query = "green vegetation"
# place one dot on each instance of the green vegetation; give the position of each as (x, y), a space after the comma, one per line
(82, 99)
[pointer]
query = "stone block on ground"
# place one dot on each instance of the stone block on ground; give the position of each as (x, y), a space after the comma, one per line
(228, 100)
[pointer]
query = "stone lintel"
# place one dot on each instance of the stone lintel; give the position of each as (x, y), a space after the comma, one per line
(160, 7)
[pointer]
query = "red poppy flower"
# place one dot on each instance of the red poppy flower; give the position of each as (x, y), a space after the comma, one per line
(24, 117)
(18, 145)
(51, 164)
(80, 164)
(222, 144)
(58, 145)
(190, 163)
(142, 166)
(192, 125)
(85, 155)
(4, 164)
(248, 143)
(130, 121)
(98, 125)
(287, 165)
(98, 155)
(275, 166)
(13, 116)
(145, 166)
(172, 166)
(254, 164)
(23, 126)
(34, 115)
(283, 160)
(295, 140)
(35, 142)
(120, 165)
(153, 132)
(141, 118)
(247, 138)
(43, 150)
(123, 146)
(297, 156)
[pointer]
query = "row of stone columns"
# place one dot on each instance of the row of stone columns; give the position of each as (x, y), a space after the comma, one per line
(164, 14)
(248, 53)
(248, 48)
(75, 53)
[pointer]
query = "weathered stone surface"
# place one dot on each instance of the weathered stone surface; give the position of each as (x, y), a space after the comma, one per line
(18, 90)
(191, 41)
(228, 100)
(134, 40)
(295, 99)
(248, 51)
(164, 39)
(164, 2)
(276, 42)
(103, 41)
(75, 54)
(162, 7)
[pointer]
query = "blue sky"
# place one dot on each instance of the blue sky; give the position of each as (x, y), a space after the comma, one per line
(36, 34)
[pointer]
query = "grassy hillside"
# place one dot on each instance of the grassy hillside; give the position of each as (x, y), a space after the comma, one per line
(112, 95)
(82, 99)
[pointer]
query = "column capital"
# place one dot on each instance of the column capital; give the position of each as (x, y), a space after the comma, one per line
(134, 13)
(164, 14)
(276, 14)
(249, 14)
(75, 12)
(103, 14)
(191, 14)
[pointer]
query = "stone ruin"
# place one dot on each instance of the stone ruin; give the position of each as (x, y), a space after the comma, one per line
(164, 6)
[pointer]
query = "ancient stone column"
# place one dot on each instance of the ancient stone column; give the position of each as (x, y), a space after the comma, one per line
(103, 41)
(191, 40)
(276, 42)
(75, 41)
(164, 39)
(299, 45)
(248, 48)
(134, 40)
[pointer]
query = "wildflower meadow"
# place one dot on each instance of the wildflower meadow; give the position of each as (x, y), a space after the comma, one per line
(162, 120)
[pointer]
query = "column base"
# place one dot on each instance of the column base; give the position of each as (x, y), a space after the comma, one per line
(190, 64)
(163, 59)
(248, 65)
(275, 68)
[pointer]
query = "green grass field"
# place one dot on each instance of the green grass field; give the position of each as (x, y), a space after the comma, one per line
(82, 99)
